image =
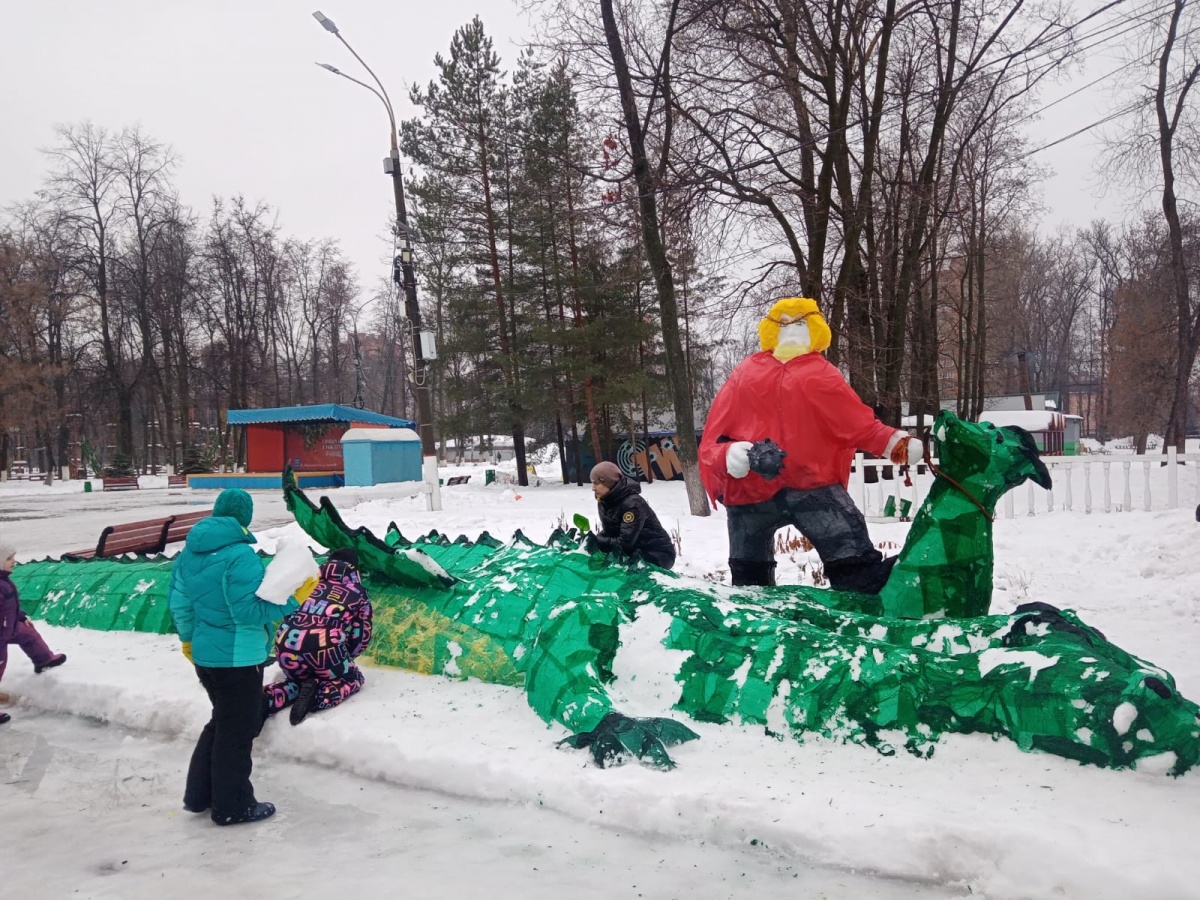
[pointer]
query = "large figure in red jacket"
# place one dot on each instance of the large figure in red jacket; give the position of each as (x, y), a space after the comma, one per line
(793, 397)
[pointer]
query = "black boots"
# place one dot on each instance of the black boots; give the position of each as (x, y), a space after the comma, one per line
(746, 572)
(57, 660)
(863, 574)
(304, 702)
(255, 813)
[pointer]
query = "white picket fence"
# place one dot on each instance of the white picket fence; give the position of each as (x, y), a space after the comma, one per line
(1087, 484)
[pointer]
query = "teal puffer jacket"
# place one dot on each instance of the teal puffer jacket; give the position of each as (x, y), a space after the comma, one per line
(212, 596)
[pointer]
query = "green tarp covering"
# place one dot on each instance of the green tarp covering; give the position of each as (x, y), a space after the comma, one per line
(103, 594)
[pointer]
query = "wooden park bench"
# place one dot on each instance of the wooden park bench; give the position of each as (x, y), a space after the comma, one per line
(120, 483)
(176, 481)
(182, 524)
(458, 479)
(147, 537)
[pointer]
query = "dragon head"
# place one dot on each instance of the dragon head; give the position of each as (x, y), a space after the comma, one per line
(989, 459)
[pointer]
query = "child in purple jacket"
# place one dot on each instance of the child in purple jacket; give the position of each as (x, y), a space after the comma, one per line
(15, 627)
(317, 643)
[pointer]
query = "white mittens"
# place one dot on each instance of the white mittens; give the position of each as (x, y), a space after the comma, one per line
(916, 451)
(904, 450)
(737, 459)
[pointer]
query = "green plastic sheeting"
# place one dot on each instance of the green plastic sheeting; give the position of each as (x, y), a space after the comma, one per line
(892, 671)
(102, 594)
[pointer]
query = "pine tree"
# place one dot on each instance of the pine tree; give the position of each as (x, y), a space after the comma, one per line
(460, 137)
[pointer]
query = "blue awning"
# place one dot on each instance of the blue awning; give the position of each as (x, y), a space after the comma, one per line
(322, 412)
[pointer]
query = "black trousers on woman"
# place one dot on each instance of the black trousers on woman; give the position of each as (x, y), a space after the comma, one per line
(219, 774)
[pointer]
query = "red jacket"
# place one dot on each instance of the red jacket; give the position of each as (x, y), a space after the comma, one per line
(806, 407)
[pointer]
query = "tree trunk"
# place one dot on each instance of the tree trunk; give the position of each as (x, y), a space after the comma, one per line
(656, 257)
(1187, 330)
(588, 394)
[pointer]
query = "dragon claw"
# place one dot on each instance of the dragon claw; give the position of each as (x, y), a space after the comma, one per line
(619, 736)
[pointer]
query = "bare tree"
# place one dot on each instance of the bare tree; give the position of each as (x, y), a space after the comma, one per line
(648, 179)
(1143, 352)
(84, 186)
(1158, 145)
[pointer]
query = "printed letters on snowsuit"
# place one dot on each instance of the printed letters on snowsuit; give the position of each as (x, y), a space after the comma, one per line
(319, 641)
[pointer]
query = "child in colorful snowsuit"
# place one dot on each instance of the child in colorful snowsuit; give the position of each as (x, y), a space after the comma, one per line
(15, 627)
(316, 645)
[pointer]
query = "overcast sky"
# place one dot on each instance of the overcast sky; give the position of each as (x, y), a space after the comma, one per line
(231, 86)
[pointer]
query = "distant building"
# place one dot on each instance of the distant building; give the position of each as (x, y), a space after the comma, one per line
(1055, 433)
(305, 438)
(491, 448)
(1044, 400)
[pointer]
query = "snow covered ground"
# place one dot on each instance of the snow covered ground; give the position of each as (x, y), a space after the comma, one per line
(980, 817)
(93, 810)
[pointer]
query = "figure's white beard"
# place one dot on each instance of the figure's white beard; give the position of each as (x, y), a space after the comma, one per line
(794, 340)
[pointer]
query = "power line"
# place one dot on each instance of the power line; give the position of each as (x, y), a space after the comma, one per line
(1123, 111)
(1045, 46)
(1059, 40)
(1109, 118)
(1140, 60)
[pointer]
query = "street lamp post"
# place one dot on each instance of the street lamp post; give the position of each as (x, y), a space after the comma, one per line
(402, 266)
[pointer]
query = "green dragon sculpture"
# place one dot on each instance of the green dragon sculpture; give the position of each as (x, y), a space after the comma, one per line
(900, 669)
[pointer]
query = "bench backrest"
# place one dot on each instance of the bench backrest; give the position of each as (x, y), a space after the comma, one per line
(118, 482)
(182, 524)
(149, 536)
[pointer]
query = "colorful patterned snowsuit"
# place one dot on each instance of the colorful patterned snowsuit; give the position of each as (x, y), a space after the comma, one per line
(319, 641)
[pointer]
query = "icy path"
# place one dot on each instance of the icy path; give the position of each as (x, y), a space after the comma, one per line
(93, 810)
(43, 521)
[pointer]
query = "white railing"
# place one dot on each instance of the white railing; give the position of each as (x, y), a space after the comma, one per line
(1117, 483)
(428, 485)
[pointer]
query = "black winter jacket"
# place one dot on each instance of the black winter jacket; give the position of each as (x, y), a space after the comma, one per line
(628, 522)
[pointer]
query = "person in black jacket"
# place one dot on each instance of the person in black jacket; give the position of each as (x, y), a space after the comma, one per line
(626, 519)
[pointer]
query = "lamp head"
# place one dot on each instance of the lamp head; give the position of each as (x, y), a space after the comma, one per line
(326, 23)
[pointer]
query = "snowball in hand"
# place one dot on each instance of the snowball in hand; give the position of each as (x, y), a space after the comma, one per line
(292, 566)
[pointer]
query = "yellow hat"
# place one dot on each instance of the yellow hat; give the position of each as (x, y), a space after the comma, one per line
(796, 308)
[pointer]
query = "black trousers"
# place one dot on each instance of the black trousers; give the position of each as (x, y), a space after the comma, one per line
(219, 774)
(826, 516)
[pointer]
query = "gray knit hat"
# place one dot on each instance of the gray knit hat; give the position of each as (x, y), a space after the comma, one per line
(606, 473)
(7, 549)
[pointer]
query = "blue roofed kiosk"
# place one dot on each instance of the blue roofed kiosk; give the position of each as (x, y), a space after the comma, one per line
(308, 438)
